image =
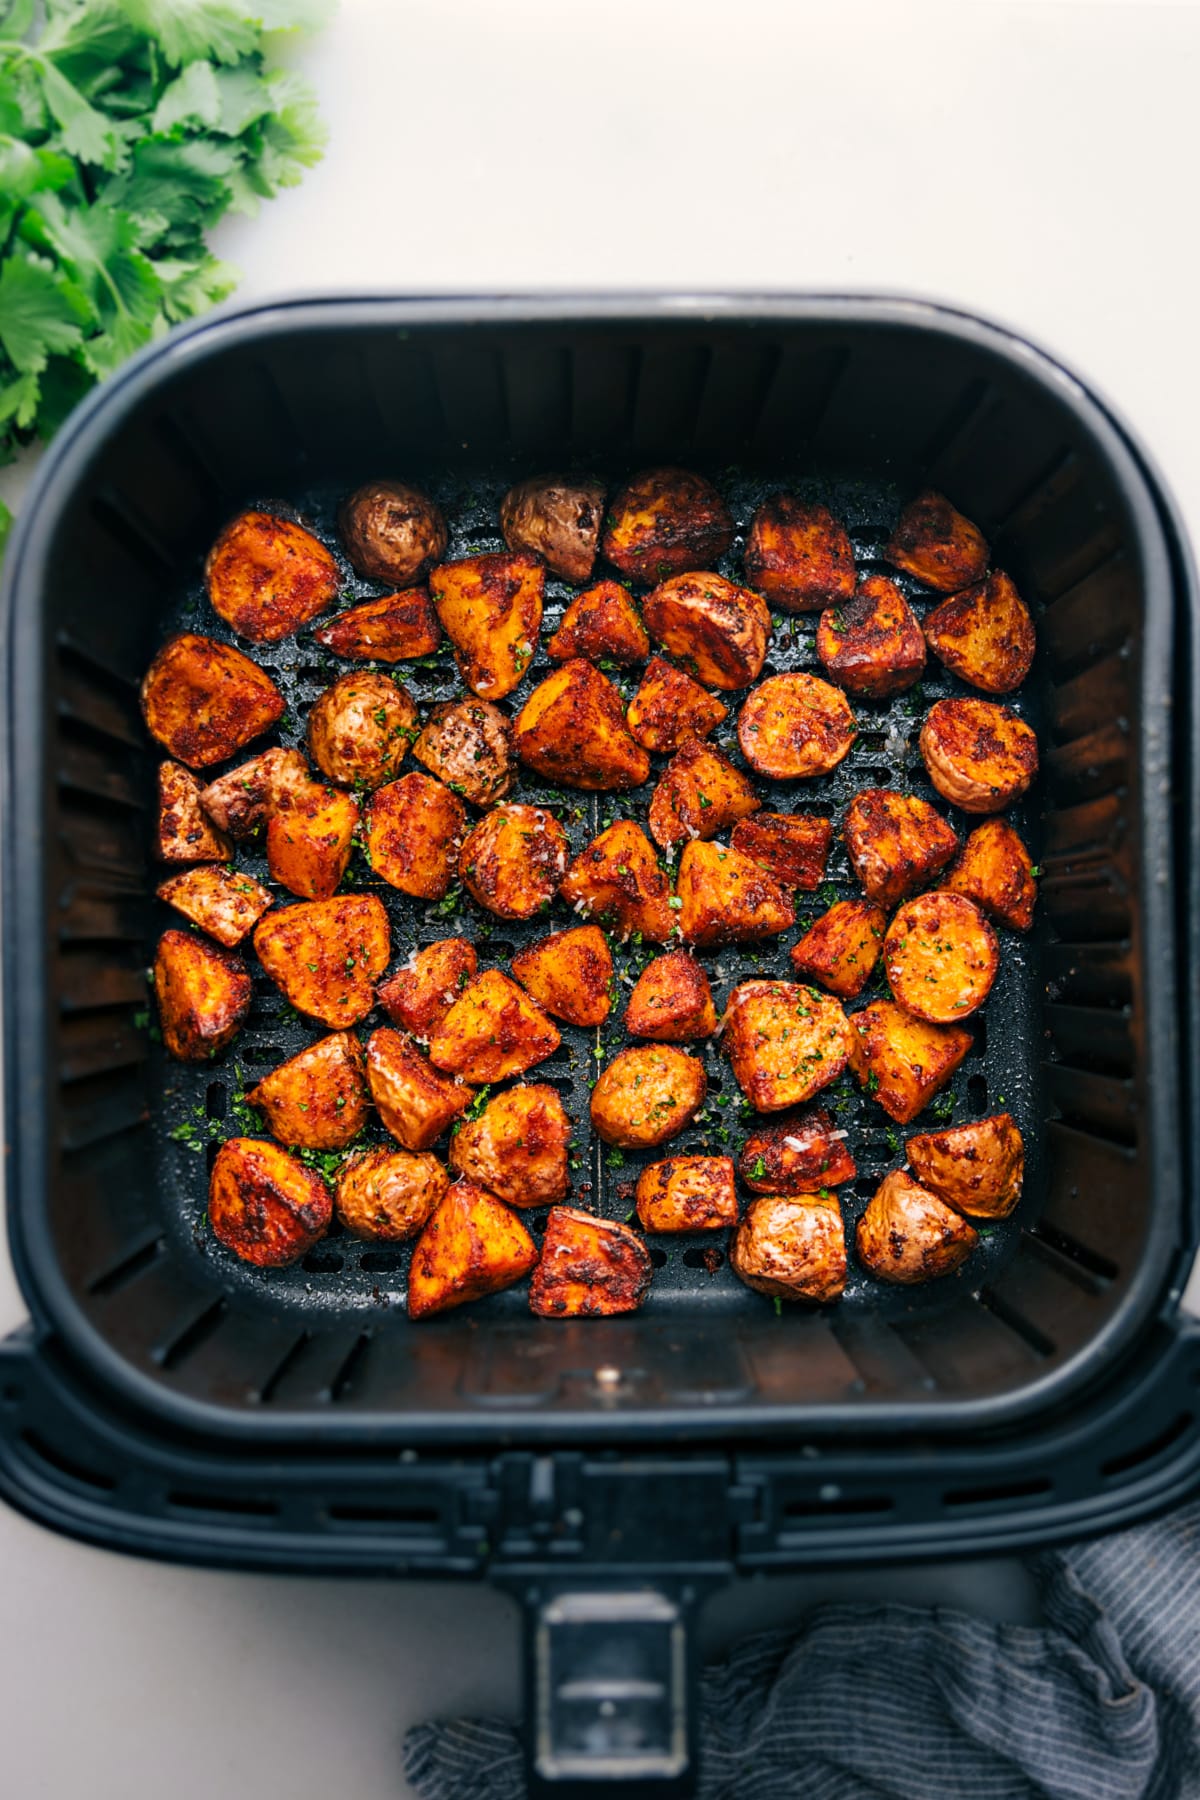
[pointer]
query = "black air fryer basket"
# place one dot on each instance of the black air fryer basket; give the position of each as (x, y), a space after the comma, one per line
(609, 1472)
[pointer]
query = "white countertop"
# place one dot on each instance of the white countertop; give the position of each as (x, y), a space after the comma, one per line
(1031, 159)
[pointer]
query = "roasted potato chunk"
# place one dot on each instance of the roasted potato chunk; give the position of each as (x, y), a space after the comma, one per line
(872, 644)
(977, 1168)
(220, 901)
(601, 624)
(589, 1268)
(517, 1147)
(317, 1100)
(267, 576)
(394, 628)
(795, 726)
(799, 556)
(415, 1101)
(568, 973)
(558, 518)
(687, 1193)
(572, 731)
(472, 1246)
(325, 956)
(725, 898)
(979, 755)
(671, 1001)
(414, 829)
(309, 839)
(938, 545)
(941, 957)
(468, 745)
(245, 798)
(784, 1042)
(995, 870)
(491, 610)
(719, 631)
(796, 1153)
(493, 1030)
(984, 635)
(901, 1061)
(841, 949)
(264, 1205)
(360, 728)
(669, 707)
(419, 994)
(908, 1235)
(792, 847)
(392, 532)
(647, 1095)
(513, 860)
(203, 996)
(664, 522)
(617, 879)
(387, 1195)
(202, 700)
(897, 843)
(698, 794)
(184, 833)
(792, 1247)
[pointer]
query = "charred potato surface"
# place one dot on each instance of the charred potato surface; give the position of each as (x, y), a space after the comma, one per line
(468, 745)
(419, 994)
(220, 901)
(796, 1153)
(785, 1042)
(841, 949)
(267, 576)
(203, 995)
(569, 974)
(938, 545)
(202, 700)
(556, 517)
(872, 644)
(669, 707)
(392, 532)
(719, 631)
(492, 1031)
(415, 1101)
(687, 1193)
(977, 1168)
(792, 847)
(317, 1100)
(414, 829)
(699, 794)
(647, 1095)
(309, 839)
(979, 755)
(360, 729)
(665, 522)
(394, 628)
(897, 843)
(617, 879)
(908, 1235)
(725, 898)
(490, 608)
(601, 624)
(671, 1001)
(517, 1147)
(902, 1061)
(799, 556)
(471, 1246)
(941, 957)
(245, 798)
(513, 860)
(984, 635)
(387, 1195)
(995, 870)
(325, 956)
(795, 726)
(589, 1268)
(792, 1246)
(185, 834)
(264, 1205)
(572, 731)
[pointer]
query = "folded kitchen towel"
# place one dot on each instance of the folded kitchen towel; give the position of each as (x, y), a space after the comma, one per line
(1100, 1703)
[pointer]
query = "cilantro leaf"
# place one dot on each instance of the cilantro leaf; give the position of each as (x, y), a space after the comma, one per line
(40, 312)
(193, 98)
(186, 29)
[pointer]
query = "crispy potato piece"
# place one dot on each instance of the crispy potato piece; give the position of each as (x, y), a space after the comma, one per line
(941, 957)
(901, 1061)
(795, 726)
(842, 948)
(792, 847)
(671, 1001)
(513, 860)
(977, 1168)
(979, 755)
(718, 630)
(985, 635)
(392, 532)
(996, 871)
(568, 973)
(419, 994)
(647, 1095)
(360, 728)
(468, 745)
(325, 956)
(897, 843)
(727, 899)
(317, 1100)
(220, 901)
(558, 518)
(415, 1101)
(697, 795)
(202, 700)
(687, 1193)
(492, 1031)
(572, 731)
(245, 798)
(266, 576)
(392, 629)
(264, 1205)
(617, 879)
(796, 1153)
(414, 829)
(799, 556)
(309, 839)
(387, 1195)
(603, 623)
(472, 1246)
(669, 707)
(937, 544)
(908, 1235)
(491, 610)
(872, 644)
(589, 1268)
(184, 834)
(517, 1147)
(792, 1246)
(785, 1042)
(663, 522)
(203, 996)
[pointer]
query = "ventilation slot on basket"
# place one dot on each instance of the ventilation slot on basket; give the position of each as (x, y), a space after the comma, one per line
(234, 1506)
(128, 1269)
(1151, 1450)
(193, 1335)
(1044, 1237)
(829, 1503)
(351, 1369)
(119, 519)
(65, 1465)
(271, 1385)
(1016, 1322)
(346, 1513)
(999, 1494)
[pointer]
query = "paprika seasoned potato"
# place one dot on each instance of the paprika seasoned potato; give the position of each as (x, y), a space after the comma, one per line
(896, 842)
(698, 794)
(310, 835)
(245, 798)
(394, 628)
(360, 728)
(617, 879)
(414, 829)
(795, 726)
(792, 1247)
(266, 576)
(415, 1101)
(669, 707)
(938, 545)
(901, 1061)
(718, 630)
(392, 532)
(264, 1205)
(796, 1153)
(791, 847)
(663, 522)
(979, 755)
(569, 974)
(799, 555)
(572, 731)
(203, 996)
(687, 1193)
(184, 833)
(325, 956)
(387, 1195)
(872, 644)
(941, 957)
(977, 1168)
(995, 870)
(202, 700)
(472, 1245)
(841, 949)
(647, 1095)
(558, 518)
(419, 994)
(589, 1268)
(671, 1001)
(984, 635)
(317, 1100)
(490, 608)
(492, 1031)
(727, 899)
(785, 1042)
(602, 624)
(468, 745)
(908, 1235)
(220, 901)
(513, 860)
(517, 1147)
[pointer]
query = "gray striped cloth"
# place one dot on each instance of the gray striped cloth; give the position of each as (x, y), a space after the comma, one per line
(1100, 1703)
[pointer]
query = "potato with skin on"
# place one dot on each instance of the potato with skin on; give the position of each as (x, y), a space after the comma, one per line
(512, 861)
(795, 726)
(941, 957)
(792, 847)
(901, 1061)
(872, 644)
(938, 545)
(664, 522)
(796, 1153)
(979, 755)
(617, 878)
(785, 1042)
(221, 901)
(725, 898)
(490, 608)
(203, 996)
(468, 745)
(492, 1031)
(394, 628)
(897, 843)
(517, 1148)
(569, 974)
(419, 994)
(687, 1193)
(310, 836)
(841, 949)
(184, 833)
(977, 1168)
(317, 1100)
(589, 1268)
(995, 870)
(414, 829)
(325, 956)
(907, 1235)
(793, 1247)
(671, 1001)
(202, 700)
(669, 708)
(266, 576)
(718, 630)
(647, 1095)
(360, 729)
(698, 794)
(471, 1246)
(799, 555)
(602, 624)
(244, 799)
(386, 1196)
(556, 517)
(392, 532)
(984, 635)
(572, 731)
(415, 1101)
(264, 1205)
